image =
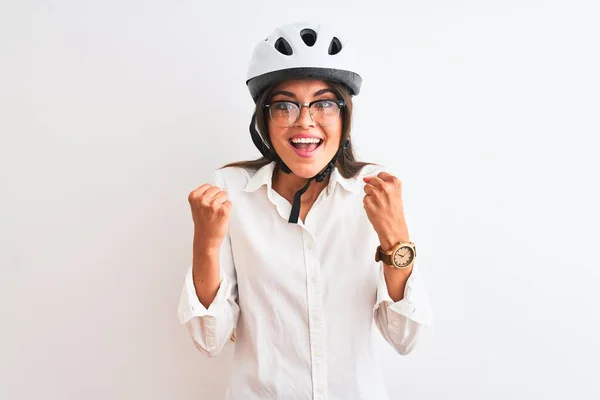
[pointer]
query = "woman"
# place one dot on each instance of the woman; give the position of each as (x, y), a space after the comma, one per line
(283, 245)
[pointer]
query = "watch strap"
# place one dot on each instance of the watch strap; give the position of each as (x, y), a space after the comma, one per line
(382, 256)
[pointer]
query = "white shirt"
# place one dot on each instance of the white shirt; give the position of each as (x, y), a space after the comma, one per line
(302, 299)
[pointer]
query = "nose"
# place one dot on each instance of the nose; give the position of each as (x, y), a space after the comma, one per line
(304, 119)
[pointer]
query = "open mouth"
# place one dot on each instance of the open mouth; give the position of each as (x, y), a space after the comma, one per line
(306, 147)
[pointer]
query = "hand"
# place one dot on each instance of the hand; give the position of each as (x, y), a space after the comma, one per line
(385, 209)
(210, 211)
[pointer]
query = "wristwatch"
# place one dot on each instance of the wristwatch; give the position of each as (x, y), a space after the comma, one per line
(401, 256)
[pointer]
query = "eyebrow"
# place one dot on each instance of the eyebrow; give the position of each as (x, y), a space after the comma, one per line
(292, 95)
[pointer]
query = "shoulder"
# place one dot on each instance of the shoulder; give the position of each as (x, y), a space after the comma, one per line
(231, 178)
(356, 181)
(370, 170)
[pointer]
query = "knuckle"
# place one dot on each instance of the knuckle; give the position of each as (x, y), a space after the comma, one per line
(198, 192)
(195, 199)
(203, 202)
(194, 194)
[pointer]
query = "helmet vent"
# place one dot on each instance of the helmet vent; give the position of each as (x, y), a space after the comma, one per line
(282, 46)
(335, 46)
(308, 36)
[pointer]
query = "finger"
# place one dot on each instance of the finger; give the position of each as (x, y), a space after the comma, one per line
(220, 198)
(369, 190)
(373, 199)
(386, 176)
(376, 181)
(226, 207)
(210, 193)
(199, 191)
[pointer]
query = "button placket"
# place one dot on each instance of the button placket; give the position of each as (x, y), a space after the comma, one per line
(315, 318)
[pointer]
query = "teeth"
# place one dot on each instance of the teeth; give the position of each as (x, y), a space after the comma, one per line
(306, 140)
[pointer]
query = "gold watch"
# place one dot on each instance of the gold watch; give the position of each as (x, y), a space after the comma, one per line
(401, 256)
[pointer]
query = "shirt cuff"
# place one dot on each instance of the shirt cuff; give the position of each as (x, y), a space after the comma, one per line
(415, 304)
(189, 304)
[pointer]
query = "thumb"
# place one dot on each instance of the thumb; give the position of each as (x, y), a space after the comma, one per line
(367, 178)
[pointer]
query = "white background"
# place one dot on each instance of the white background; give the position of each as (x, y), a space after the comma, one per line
(111, 112)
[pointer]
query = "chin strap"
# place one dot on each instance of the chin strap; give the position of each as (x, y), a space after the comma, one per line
(272, 156)
(319, 178)
(264, 149)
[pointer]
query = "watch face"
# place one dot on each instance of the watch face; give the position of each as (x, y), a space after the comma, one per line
(403, 256)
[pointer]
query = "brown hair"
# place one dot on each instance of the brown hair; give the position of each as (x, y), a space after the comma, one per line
(348, 166)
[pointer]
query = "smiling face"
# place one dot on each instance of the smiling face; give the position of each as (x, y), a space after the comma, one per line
(305, 147)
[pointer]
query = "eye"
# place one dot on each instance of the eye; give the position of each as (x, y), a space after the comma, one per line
(324, 104)
(283, 106)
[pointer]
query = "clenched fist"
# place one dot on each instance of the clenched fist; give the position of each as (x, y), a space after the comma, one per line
(210, 211)
(385, 209)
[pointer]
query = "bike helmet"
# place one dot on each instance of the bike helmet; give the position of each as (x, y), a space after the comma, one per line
(302, 50)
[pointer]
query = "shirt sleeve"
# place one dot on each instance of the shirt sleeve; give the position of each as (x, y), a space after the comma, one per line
(401, 322)
(212, 327)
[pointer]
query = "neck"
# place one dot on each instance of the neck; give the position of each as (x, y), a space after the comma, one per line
(288, 184)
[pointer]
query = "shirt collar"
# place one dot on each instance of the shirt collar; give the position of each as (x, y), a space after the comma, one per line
(264, 176)
(261, 177)
(350, 185)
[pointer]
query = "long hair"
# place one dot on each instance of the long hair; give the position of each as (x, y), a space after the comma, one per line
(347, 164)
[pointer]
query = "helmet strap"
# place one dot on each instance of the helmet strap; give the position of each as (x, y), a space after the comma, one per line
(264, 148)
(258, 141)
(319, 178)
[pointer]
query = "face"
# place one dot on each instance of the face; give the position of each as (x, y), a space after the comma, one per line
(294, 143)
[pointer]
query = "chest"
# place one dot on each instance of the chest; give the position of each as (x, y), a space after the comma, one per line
(332, 247)
(305, 209)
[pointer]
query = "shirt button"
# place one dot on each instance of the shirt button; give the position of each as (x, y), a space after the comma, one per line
(313, 279)
(310, 245)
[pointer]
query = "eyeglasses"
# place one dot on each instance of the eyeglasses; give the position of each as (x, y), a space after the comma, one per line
(285, 114)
